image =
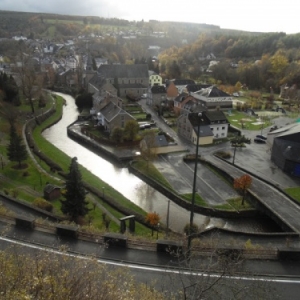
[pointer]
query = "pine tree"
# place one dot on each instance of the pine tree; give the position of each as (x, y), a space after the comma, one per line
(74, 205)
(16, 150)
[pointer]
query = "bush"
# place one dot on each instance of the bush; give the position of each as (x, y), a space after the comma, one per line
(43, 204)
(223, 154)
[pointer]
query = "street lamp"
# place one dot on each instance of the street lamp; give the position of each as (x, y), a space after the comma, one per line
(234, 154)
(157, 230)
(168, 217)
(195, 119)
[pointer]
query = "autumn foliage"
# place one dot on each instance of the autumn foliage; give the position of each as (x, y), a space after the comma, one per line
(152, 219)
(243, 183)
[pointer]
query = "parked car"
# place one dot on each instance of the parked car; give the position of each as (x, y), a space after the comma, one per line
(259, 141)
(259, 136)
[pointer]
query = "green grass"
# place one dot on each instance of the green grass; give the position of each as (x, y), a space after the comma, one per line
(147, 168)
(234, 204)
(198, 199)
(294, 192)
(63, 160)
(237, 117)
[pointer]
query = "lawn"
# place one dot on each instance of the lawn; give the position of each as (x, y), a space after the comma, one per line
(294, 192)
(243, 120)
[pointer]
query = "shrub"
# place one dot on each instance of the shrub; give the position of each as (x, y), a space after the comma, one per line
(223, 154)
(43, 204)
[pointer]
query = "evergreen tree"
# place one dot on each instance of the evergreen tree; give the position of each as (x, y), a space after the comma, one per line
(74, 205)
(16, 150)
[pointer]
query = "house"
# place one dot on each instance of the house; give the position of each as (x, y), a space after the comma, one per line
(100, 88)
(111, 115)
(129, 80)
(285, 153)
(192, 88)
(72, 63)
(158, 95)
(154, 79)
(218, 123)
(172, 91)
(213, 98)
(180, 84)
(51, 192)
(211, 125)
(183, 101)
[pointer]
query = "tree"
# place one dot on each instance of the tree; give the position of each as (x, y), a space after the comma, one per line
(117, 134)
(243, 183)
(31, 80)
(75, 205)
(16, 150)
(148, 146)
(131, 130)
(174, 70)
(152, 219)
(84, 100)
(9, 112)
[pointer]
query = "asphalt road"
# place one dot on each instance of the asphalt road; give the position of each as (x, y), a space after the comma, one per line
(180, 175)
(253, 279)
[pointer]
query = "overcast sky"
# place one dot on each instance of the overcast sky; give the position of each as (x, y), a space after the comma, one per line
(254, 15)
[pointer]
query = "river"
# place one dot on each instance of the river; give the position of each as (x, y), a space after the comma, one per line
(126, 183)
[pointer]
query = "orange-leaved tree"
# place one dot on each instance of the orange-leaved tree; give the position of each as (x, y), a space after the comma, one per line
(152, 219)
(243, 183)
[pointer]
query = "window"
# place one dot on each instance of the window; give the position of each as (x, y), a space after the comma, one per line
(223, 128)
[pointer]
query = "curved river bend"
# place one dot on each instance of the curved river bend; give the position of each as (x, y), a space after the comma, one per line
(120, 179)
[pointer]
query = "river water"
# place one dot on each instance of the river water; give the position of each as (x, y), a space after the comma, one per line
(129, 185)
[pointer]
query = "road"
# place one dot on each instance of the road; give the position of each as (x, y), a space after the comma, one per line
(254, 279)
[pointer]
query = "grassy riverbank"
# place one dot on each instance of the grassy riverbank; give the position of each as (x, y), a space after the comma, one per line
(28, 183)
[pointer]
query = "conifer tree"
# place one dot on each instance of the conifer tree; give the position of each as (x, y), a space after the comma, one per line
(74, 205)
(16, 150)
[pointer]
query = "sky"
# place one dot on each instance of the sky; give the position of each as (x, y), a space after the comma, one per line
(254, 15)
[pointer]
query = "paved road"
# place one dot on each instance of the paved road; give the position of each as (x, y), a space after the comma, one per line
(280, 205)
(279, 277)
(213, 189)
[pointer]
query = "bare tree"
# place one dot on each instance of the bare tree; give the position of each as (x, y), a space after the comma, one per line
(28, 70)
(213, 272)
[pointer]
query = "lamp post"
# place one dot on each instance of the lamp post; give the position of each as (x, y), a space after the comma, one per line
(195, 120)
(168, 217)
(234, 154)
(157, 230)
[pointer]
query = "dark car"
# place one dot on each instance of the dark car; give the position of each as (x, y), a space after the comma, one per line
(259, 136)
(259, 141)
